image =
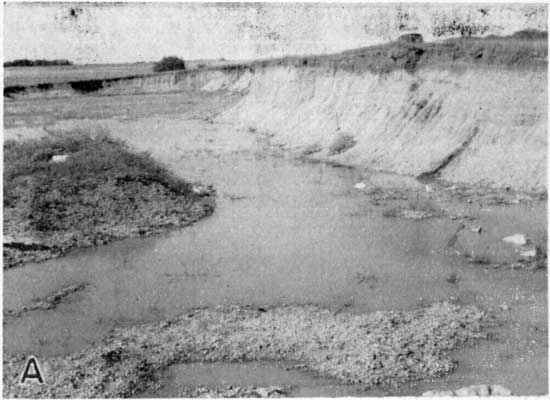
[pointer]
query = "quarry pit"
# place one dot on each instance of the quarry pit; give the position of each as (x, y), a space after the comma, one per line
(361, 203)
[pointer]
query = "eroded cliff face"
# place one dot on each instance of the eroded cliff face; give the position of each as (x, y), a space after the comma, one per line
(474, 125)
(207, 80)
(467, 123)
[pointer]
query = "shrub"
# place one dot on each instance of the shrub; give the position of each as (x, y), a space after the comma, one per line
(530, 34)
(410, 38)
(169, 64)
(464, 29)
(342, 143)
(36, 63)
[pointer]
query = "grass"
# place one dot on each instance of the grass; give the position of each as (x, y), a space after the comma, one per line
(522, 49)
(502, 51)
(101, 192)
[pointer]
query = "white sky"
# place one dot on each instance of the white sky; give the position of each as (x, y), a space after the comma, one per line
(109, 33)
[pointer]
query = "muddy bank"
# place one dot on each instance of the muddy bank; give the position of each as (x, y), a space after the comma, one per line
(381, 348)
(79, 191)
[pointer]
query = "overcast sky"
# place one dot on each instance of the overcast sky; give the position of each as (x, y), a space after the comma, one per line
(110, 33)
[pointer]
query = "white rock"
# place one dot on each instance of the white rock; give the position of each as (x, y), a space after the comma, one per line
(438, 393)
(518, 239)
(498, 390)
(429, 189)
(474, 390)
(471, 391)
(60, 158)
(360, 185)
(531, 253)
(262, 392)
(477, 229)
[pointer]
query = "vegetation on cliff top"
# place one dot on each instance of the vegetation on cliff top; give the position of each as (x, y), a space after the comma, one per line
(169, 64)
(527, 48)
(24, 62)
(71, 191)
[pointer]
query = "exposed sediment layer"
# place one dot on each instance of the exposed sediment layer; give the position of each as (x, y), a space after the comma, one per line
(208, 80)
(476, 125)
(470, 111)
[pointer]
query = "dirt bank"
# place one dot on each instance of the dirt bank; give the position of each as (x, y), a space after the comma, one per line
(382, 348)
(471, 110)
(78, 191)
(234, 78)
(458, 125)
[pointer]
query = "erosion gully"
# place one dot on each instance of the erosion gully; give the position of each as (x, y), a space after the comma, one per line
(287, 231)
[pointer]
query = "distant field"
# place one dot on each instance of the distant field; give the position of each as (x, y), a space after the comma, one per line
(25, 76)
(510, 51)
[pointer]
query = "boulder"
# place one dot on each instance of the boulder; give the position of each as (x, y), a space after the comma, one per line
(518, 239)
(471, 391)
(530, 253)
(438, 393)
(474, 390)
(60, 158)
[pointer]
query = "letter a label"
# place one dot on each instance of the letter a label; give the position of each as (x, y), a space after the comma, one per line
(32, 371)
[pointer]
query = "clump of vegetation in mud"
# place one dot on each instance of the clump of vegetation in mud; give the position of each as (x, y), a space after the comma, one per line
(64, 192)
(169, 64)
(232, 391)
(382, 348)
(342, 143)
(48, 303)
(414, 209)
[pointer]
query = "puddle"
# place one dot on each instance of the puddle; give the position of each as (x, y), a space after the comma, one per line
(288, 232)
(257, 374)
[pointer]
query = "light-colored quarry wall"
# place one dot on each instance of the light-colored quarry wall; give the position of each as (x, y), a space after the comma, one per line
(481, 125)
